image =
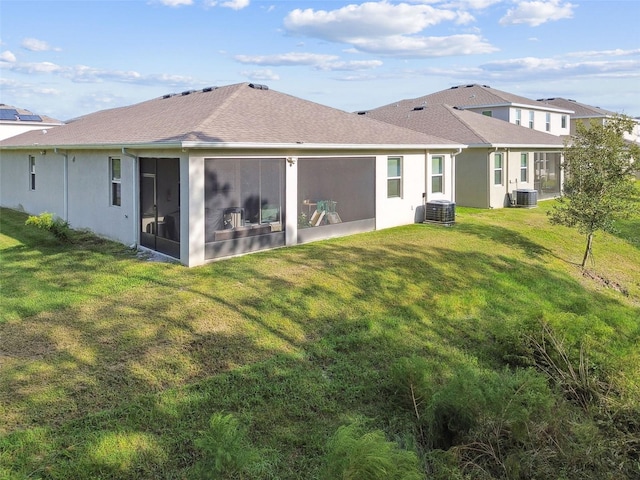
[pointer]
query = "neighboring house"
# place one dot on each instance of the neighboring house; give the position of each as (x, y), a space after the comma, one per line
(494, 103)
(14, 121)
(586, 114)
(225, 171)
(500, 158)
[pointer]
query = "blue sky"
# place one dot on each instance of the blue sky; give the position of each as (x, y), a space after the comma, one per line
(69, 58)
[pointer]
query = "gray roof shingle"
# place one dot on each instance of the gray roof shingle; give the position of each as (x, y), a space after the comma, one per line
(581, 110)
(469, 96)
(463, 126)
(234, 114)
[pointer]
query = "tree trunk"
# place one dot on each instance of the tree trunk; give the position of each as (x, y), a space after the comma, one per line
(587, 251)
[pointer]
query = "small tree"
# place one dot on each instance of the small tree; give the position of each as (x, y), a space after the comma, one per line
(598, 182)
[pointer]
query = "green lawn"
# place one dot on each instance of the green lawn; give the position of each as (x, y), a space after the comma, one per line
(112, 366)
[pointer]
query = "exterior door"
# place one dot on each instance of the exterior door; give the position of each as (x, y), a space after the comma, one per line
(160, 205)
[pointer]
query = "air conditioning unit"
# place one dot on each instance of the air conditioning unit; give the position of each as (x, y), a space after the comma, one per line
(440, 211)
(526, 198)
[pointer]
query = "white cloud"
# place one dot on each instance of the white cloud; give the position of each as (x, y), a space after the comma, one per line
(265, 74)
(536, 13)
(286, 59)
(175, 3)
(319, 62)
(540, 68)
(87, 74)
(35, 45)
(7, 56)
(233, 4)
(425, 47)
(388, 29)
(370, 19)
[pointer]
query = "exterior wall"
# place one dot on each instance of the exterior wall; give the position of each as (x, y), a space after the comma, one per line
(501, 113)
(14, 128)
(15, 191)
(472, 178)
(392, 212)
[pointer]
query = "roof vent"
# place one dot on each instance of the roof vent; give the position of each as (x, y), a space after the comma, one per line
(187, 92)
(453, 88)
(258, 86)
(168, 95)
(486, 86)
(362, 112)
(418, 108)
(208, 89)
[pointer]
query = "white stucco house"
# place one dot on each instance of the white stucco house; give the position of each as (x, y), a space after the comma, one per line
(217, 172)
(502, 162)
(14, 121)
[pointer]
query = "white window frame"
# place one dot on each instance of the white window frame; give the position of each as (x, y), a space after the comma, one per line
(518, 116)
(115, 182)
(439, 175)
(547, 122)
(524, 167)
(498, 169)
(487, 113)
(395, 178)
(32, 172)
(563, 121)
(531, 118)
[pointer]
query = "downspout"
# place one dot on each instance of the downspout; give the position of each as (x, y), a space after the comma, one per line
(65, 183)
(136, 185)
(453, 174)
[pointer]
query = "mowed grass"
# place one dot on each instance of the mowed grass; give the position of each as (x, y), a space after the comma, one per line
(111, 366)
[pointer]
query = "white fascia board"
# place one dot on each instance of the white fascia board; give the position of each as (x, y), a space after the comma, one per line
(515, 145)
(319, 146)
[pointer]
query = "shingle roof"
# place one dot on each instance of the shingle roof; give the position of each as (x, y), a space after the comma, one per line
(11, 114)
(468, 96)
(235, 114)
(580, 109)
(463, 126)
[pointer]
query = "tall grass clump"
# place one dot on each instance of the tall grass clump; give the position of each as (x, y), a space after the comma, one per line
(225, 449)
(356, 454)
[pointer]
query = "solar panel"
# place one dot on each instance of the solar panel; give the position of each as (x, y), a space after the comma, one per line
(30, 118)
(8, 114)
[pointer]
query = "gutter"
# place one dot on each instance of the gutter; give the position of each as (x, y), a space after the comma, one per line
(453, 173)
(65, 183)
(134, 202)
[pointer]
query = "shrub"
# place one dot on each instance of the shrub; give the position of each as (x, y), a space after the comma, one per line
(49, 222)
(354, 454)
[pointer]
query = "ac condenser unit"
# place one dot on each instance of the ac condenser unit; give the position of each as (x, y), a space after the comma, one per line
(440, 211)
(526, 198)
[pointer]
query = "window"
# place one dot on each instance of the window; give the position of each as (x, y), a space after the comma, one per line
(531, 119)
(116, 185)
(564, 121)
(547, 122)
(32, 172)
(497, 169)
(394, 177)
(524, 167)
(487, 113)
(437, 174)
(518, 116)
